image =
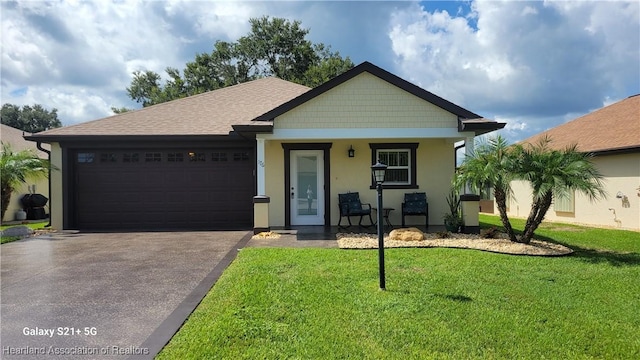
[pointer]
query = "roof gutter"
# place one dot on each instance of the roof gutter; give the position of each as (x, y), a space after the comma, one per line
(479, 126)
(616, 151)
(250, 131)
(125, 138)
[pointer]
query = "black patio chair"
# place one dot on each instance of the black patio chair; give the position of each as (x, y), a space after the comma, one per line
(415, 204)
(350, 205)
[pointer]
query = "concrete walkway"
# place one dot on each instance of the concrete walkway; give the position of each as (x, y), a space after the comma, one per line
(292, 241)
(105, 295)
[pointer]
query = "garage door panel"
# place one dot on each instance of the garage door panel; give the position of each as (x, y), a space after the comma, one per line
(164, 194)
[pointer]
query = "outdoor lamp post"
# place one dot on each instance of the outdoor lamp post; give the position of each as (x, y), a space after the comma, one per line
(377, 171)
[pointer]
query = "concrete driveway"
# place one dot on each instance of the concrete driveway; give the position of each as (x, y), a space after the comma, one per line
(105, 295)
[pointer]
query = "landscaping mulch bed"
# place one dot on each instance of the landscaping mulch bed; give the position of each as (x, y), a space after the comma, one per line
(467, 241)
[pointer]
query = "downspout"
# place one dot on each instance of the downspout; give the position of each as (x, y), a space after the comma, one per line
(39, 146)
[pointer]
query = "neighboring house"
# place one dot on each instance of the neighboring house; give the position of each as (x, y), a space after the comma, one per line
(263, 154)
(14, 137)
(612, 134)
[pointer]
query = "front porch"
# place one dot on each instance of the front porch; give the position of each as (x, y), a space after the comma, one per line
(324, 142)
(311, 233)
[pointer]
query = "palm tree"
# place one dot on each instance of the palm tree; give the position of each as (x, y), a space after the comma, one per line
(16, 168)
(491, 164)
(553, 174)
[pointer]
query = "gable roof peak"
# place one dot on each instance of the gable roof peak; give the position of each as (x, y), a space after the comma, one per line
(375, 71)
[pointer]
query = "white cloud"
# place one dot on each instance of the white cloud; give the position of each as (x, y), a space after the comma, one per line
(72, 102)
(530, 61)
(528, 10)
(77, 103)
(227, 19)
(21, 56)
(79, 56)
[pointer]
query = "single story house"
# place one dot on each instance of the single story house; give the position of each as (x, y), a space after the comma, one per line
(263, 154)
(612, 134)
(14, 137)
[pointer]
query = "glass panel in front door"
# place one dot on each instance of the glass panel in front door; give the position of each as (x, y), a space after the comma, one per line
(307, 179)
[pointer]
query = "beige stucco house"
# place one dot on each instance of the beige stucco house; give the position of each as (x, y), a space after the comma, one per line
(264, 154)
(14, 137)
(612, 134)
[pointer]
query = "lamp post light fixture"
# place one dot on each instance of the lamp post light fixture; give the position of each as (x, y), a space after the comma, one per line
(378, 171)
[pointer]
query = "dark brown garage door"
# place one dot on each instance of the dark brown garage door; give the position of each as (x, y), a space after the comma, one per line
(160, 189)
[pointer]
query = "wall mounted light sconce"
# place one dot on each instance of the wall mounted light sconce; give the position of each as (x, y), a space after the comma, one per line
(351, 151)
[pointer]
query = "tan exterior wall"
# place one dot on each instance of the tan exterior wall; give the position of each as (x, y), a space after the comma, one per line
(55, 200)
(435, 162)
(274, 181)
(366, 101)
(470, 210)
(14, 138)
(622, 174)
(261, 215)
(42, 187)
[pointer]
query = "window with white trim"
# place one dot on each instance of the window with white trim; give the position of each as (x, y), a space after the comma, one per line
(398, 165)
(565, 203)
(400, 159)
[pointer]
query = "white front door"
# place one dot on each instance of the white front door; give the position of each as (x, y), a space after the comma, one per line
(307, 187)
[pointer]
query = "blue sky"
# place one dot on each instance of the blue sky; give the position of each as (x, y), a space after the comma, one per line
(533, 65)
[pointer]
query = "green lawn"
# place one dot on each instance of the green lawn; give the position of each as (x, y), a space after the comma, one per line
(34, 226)
(577, 237)
(439, 303)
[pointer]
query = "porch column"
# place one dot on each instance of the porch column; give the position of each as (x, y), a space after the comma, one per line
(469, 144)
(261, 201)
(261, 214)
(470, 205)
(470, 202)
(260, 164)
(469, 148)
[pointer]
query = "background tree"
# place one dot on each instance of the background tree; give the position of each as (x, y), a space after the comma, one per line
(15, 169)
(330, 65)
(120, 110)
(145, 87)
(29, 118)
(551, 174)
(274, 47)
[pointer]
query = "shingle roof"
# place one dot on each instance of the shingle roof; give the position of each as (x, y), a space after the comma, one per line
(614, 127)
(210, 113)
(14, 137)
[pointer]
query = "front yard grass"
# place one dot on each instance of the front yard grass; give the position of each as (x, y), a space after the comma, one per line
(440, 303)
